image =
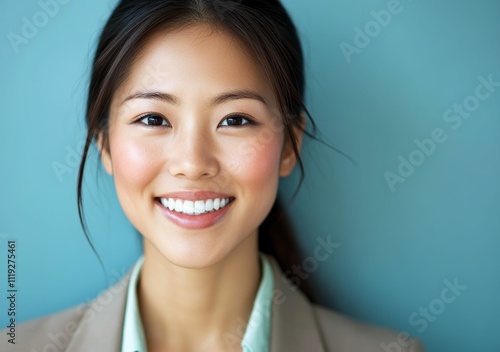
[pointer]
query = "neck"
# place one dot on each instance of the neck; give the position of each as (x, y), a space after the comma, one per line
(194, 309)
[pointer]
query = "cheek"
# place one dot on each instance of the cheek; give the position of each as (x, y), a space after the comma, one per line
(134, 163)
(257, 162)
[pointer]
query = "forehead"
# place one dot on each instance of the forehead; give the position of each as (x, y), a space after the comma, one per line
(194, 61)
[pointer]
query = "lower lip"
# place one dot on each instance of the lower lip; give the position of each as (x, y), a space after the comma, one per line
(194, 221)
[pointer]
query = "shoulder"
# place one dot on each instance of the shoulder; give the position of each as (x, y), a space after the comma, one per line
(343, 333)
(299, 325)
(49, 333)
(76, 329)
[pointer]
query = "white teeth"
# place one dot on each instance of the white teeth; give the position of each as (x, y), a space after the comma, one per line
(164, 202)
(171, 203)
(196, 207)
(178, 206)
(209, 205)
(199, 207)
(188, 207)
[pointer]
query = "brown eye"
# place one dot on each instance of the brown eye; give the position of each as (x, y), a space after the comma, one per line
(153, 120)
(236, 120)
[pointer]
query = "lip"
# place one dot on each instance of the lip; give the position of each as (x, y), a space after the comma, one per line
(187, 221)
(195, 195)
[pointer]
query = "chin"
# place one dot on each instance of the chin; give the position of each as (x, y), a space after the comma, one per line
(194, 261)
(192, 254)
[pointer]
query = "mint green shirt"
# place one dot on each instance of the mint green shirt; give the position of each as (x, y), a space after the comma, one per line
(257, 332)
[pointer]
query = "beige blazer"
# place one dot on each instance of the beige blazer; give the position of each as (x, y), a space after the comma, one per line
(297, 326)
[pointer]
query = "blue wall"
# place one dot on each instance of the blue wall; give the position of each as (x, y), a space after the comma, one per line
(408, 221)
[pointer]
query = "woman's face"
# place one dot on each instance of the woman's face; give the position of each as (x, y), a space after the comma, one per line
(196, 146)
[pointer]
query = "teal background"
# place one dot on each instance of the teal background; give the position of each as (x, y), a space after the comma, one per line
(396, 248)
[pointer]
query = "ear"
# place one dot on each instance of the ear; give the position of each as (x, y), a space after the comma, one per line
(288, 157)
(104, 154)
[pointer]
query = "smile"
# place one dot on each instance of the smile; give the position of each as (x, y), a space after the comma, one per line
(195, 207)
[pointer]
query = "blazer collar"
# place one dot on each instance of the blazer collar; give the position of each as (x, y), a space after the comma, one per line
(293, 323)
(294, 326)
(100, 326)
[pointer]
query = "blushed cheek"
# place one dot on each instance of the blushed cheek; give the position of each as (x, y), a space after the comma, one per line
(259, 165)
(134, 165)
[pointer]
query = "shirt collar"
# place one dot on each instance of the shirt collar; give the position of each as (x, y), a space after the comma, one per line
(257, 332)
(133, 338)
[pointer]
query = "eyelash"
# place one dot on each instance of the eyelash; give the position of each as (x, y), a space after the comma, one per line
(166, 123)
(150, 115)
(249, 121)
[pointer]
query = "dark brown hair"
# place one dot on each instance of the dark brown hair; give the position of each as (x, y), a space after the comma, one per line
(262, 26)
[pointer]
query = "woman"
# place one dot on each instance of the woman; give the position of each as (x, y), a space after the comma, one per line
(197, 109)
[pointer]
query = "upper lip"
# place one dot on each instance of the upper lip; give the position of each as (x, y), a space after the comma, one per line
(195, 195)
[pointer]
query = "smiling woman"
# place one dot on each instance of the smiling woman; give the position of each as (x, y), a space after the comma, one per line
(197, 109)
(169, 148)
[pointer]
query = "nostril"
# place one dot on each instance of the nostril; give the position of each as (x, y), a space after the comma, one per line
(193, 169)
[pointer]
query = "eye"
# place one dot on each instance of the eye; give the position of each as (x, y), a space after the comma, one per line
(237, 120)
(153, 120)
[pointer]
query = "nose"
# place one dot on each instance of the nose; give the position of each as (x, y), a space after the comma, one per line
(193, 156)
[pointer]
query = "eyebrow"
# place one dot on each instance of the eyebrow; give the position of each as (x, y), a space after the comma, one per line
(220, 99)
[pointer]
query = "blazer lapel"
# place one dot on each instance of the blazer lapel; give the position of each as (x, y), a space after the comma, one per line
(293, 323)
(100, 328)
